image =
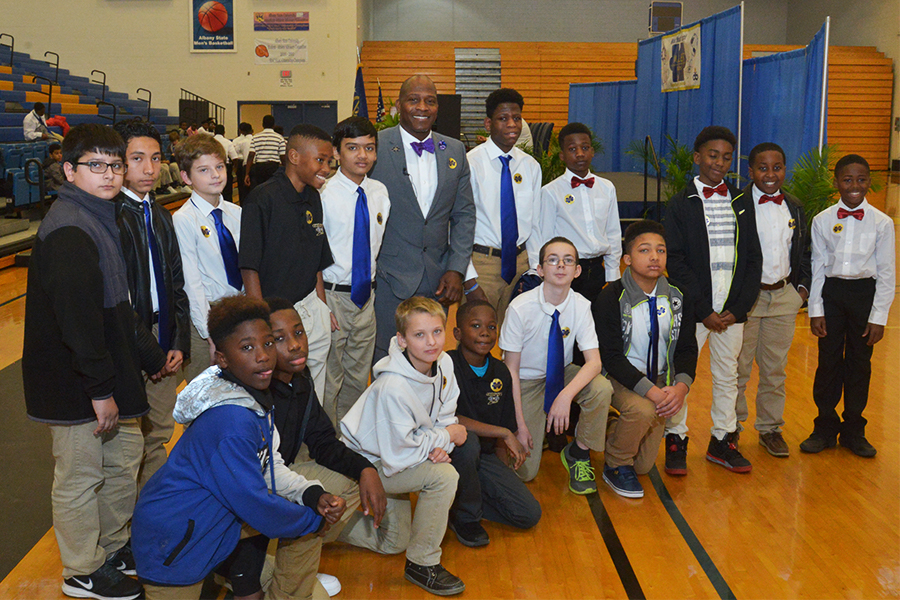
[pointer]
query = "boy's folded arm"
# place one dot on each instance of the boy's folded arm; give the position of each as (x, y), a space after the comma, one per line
(291, 485)
(241, 487)
(401, 441)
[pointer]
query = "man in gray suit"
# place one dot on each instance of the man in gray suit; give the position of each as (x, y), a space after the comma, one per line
(429, 235)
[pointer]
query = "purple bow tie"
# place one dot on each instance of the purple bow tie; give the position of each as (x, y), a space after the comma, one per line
(427, 146)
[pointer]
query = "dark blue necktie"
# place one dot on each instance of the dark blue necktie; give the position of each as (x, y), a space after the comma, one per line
(229, 251)
(555, 368)
(509, 224)
(361, 277)
(653, 352)
(161, 298)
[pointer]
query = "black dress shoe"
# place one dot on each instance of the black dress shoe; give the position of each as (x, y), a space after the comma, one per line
(816, 442)
(858, 445)
(435, 579)
(472, 534)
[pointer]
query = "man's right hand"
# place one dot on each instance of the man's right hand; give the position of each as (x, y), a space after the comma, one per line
(107, 415)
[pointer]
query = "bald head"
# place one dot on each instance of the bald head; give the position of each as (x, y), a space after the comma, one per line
(417, 81)
(418, 105)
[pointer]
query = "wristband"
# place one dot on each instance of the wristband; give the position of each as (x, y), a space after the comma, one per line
(471, 289)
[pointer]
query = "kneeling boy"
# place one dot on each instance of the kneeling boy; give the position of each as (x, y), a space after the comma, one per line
(488, 485)
(405, 424)
(649, 351)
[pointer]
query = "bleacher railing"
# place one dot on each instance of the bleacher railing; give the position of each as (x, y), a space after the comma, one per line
(50, 85)
(216, 111)
(101, 83)
(148, 99)
(11, 45)
(56, 75)
(114, 107)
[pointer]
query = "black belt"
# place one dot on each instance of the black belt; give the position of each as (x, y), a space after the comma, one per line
(494, 251)
(336, 287)
(773, 286)
(590, 261)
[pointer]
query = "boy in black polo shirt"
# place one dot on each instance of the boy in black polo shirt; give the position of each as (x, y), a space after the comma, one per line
(488, 485)
(283, 243)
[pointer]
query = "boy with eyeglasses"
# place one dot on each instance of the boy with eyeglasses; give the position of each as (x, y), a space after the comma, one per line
(538, 337)
(81, 365)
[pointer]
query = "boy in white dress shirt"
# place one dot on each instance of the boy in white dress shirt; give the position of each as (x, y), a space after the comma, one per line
(506, 184)
(209, 233)
(355, 212)
(539, 338)
(582, 207)
(852, 290)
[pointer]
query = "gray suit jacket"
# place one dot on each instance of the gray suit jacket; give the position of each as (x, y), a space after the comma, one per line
(420, 248)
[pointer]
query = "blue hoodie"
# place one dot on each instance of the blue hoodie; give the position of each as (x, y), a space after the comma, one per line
(189, 516)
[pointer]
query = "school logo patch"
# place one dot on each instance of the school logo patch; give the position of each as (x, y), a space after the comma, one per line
(837, 228)
(442, 145)
(792, 224)
(517, 178)
(204, 230)
(660, 311)
(379, 218)
(395, 149)
(569, 199)
(496, 385)
(565, 332)
(451, 163)
(309, 218)
(707, 221)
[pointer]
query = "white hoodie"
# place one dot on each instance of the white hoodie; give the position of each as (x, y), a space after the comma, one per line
(404, 414)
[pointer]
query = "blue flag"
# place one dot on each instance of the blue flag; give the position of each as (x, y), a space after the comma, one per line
(360, 108)
(379, 114)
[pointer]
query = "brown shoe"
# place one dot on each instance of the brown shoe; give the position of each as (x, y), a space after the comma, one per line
(774, 444)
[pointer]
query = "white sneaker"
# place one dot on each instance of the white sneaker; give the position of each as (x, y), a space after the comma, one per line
(331, 583)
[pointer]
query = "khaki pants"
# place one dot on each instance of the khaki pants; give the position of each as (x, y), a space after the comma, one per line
(494, 287)
(297, 559)
(594, 400)
(199, 361)
(177, 592)
(316, 319)
(633, 438)
(93, 491)
(421, 534)
(158, 425)
(350, 356)
(724, 349)
(768, 334)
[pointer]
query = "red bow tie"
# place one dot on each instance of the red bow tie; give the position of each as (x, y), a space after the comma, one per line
(589, 181)
(721, 190)
(776, 199)
(856, 214)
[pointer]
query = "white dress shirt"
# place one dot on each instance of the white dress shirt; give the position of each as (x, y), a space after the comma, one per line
(589, 217)
(640, 333)
(421, 170)
(851, 249)
(205, 280)
(526, 329)
(773, 222)
(33, 126)
(230, 153)
(339, 214)
(486, 168)
(146, 200)
(242, 146)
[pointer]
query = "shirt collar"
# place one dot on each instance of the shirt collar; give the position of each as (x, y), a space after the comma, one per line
(407, 138)
(568, 175)
(494, 151)
(345, 181)
(548, 308)
(203, 206)
(134, 196)
(758, 193)
(862, 205)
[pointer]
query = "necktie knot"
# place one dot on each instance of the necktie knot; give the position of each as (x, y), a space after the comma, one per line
(720, 189)
(777, 199)
(856, 214)
(505, 158)
(587, 181)
(426, 146)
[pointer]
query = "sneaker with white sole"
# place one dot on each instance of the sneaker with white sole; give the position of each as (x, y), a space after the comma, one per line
(123, 560)
(331, 583)
(623, 481)
(106, 583)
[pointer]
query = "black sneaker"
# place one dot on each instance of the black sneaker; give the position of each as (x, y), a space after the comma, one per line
(818, 441)
(676, 454)
(106, 583)
(123, 560)
(725, 452)
(623, 480)
(472, 534)
(435, 579)
(858, 445)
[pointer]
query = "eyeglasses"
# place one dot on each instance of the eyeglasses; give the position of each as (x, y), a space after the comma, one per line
(553, 261)
(100, 167)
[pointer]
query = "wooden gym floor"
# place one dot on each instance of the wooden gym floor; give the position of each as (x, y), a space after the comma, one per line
(822, 526)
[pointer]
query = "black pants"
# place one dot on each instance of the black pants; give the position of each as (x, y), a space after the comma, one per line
(592, 278)
(229, 184)
(845, 361)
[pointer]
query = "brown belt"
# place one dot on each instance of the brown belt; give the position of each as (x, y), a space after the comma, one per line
(773, 286)
(494, 251)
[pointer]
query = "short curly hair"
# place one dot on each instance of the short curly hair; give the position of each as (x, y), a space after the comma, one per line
(226, 315)
(714, 132)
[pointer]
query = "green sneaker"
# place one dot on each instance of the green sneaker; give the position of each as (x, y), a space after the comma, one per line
(581, 473)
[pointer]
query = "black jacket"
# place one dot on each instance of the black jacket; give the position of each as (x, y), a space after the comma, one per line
(133, 233)
(688, 248)
(801, 250)
(83, 340)
(296, 427)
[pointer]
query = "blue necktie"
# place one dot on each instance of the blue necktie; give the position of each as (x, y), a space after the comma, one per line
(555, 368)
(361, 277)
(161, 299)
(509, 224)
(653, 352)
(229, 251)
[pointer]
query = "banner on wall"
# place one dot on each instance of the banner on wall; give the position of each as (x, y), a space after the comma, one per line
(281, 51)
(212, 26)
(281, 21)
(681, 60)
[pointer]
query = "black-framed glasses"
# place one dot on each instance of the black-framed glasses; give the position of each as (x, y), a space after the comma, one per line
(554, 261)
(100, 167)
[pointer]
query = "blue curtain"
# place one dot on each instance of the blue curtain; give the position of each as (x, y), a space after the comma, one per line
(608, 109)
(782, 100)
